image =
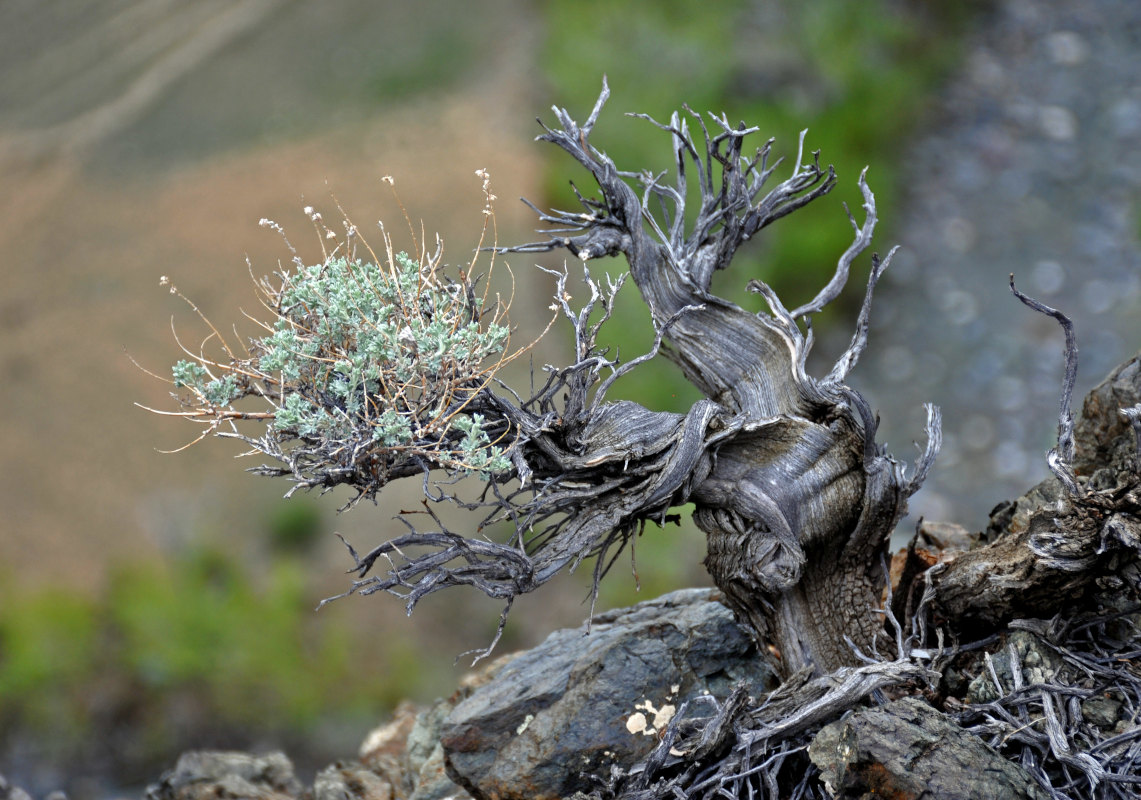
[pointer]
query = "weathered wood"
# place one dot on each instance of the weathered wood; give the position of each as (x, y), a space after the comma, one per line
(796, 500)
(1049, 546)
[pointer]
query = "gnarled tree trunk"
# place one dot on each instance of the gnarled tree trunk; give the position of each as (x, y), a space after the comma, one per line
(795, 497)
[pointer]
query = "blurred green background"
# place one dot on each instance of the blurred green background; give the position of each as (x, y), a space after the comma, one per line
(149, 602)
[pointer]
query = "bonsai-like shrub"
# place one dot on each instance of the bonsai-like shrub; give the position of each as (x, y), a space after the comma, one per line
(373, 368)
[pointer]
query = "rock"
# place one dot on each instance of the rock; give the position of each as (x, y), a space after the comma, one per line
(352, 781)
(384, 750)
(407, 751)
(1102, 711)
(1037, 663)
(425, 755)
(906, 749)
(212, 775)
(581, 703)
(10, 792)
(389, 740)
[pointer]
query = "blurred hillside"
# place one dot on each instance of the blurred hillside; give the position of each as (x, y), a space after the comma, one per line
(142, 139)
(147, 139)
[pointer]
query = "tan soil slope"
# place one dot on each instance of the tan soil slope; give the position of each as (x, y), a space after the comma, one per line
(81, 252)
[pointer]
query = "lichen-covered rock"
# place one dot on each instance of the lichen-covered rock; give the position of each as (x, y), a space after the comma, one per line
(212, 775)
(908, 750)
(424, 757)
(578, 704)
(1036, 663)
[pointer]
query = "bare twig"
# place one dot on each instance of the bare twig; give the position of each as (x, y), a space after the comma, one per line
(1061, 457)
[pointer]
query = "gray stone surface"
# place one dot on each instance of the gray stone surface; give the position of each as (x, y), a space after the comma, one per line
(426, 764)
(579, 703)
(906, 749)
(215, 775)
(352, 781)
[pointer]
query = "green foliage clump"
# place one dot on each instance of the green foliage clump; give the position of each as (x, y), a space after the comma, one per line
(46, 643)
(369, 368)
(356, 344)
(189, 374)
(207, 624)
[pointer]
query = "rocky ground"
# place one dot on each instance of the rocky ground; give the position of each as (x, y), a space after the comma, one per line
(573, 714)
(525, 725)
